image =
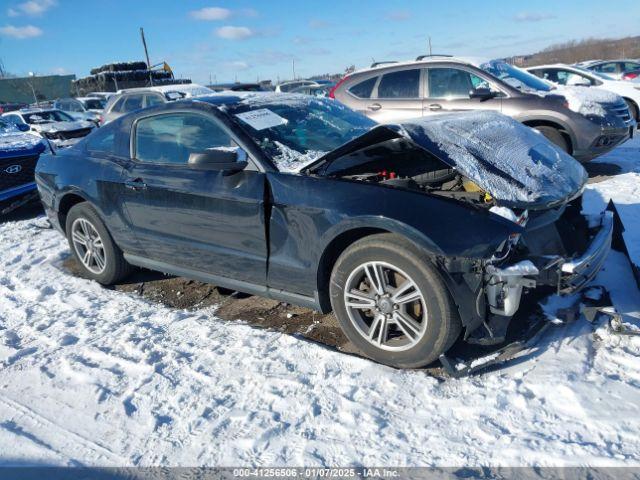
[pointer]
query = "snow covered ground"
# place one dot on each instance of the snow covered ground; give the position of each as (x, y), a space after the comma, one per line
(90, 376)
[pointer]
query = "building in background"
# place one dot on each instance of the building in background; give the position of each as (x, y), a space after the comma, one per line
(34, 89)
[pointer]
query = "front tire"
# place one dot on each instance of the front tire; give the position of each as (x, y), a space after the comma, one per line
(391, 303)
(554, 136)
(99, 258)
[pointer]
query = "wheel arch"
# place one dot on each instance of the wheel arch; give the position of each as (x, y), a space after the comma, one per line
(68, 201)
(330, 255)
(635, 106)
(564, 131)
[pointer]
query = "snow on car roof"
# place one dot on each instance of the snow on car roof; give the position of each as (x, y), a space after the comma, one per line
(191, 89)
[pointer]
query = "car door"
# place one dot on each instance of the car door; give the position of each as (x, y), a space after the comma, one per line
(203, 220)
(397, 96)
(449, 89)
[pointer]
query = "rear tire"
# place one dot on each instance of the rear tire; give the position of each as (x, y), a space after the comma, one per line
(98, 256)
(633, 108)
(397, 309)
(554, 136)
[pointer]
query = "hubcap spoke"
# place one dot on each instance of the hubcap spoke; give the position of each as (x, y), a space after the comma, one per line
(99, 259)
(375, 276)
(384, 327)
(406, 293)
(79, 238)
(356, 299)
(408, 325)
(378, 330)
(86, 259)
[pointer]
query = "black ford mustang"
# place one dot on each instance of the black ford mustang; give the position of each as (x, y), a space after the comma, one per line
(410, 233)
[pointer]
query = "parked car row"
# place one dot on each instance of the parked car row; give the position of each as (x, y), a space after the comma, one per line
(433, 85)
(623, 69)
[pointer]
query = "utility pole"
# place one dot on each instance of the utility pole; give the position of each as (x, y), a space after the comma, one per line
(430, 53)
(33, 90)
(293, 67)
(146, 52)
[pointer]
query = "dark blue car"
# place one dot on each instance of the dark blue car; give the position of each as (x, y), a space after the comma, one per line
(19, 153)
(410, 233)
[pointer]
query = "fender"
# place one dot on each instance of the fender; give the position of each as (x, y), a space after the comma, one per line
(533, 116)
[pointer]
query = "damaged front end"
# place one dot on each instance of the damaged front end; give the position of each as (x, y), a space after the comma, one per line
(565, 254)
(497, 168)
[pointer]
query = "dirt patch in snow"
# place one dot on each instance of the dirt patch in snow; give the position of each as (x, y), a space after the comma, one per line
(182, 293)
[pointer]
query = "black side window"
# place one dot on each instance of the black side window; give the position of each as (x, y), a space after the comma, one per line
(153, 100)
(402, 84)
(363, 89)
(449, 83)
(171, 138)
(102, 140)
(132, 102)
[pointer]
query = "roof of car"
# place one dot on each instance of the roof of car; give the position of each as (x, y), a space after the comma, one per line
(555, 65)
(259, 98)
(475, 61)
(37, 110)
(218, 99)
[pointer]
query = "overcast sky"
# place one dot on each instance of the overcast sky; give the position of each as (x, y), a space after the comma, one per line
(260, 39)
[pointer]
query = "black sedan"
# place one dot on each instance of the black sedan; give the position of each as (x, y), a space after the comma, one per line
(413, 234)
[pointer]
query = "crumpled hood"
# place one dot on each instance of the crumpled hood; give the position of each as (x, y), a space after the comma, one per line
(61, 126)
(517, 165)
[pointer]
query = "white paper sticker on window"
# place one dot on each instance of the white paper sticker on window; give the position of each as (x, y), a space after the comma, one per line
(261, 119)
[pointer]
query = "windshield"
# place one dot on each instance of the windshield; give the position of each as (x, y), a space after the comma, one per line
(6, 127)
(93, 104)
(295, 130)
(515, 77)
(47, 117)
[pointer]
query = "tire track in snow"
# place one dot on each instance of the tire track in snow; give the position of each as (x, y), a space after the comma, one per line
(27, 417)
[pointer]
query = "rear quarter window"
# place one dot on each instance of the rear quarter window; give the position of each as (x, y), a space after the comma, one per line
(364, 88)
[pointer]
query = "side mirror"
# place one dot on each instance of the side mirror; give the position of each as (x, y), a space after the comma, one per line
(217, 159)
(23, 127)
(482, 93)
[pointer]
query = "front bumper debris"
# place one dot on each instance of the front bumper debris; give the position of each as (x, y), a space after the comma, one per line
(576, 273)
(504, 285)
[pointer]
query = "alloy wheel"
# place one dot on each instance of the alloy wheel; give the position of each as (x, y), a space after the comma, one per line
(385, 306)
(88, 245)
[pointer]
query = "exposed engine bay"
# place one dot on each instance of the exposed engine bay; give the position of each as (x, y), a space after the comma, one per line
(397, 163)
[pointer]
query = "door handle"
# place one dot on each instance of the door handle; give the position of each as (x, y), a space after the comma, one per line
(136, 184)
(434, 107)
(374, 107)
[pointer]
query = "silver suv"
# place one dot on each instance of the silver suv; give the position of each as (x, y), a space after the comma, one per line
(430, 85)
(132, 99)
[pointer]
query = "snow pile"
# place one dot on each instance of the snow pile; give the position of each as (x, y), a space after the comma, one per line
(509, 160)
(587, 100)
(95, 377)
